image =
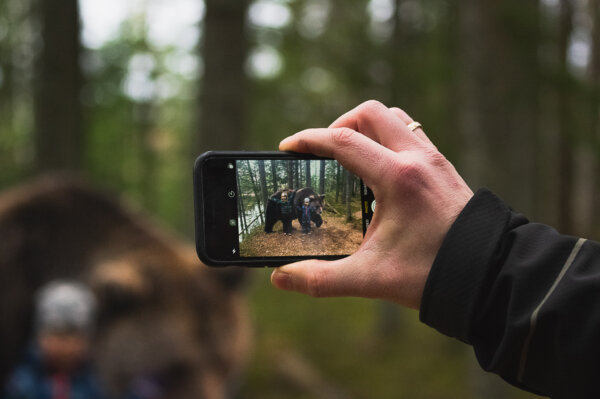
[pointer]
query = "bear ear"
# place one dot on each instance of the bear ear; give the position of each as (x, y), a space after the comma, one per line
(120, 287)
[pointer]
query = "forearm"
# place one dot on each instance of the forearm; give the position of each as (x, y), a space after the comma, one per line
(523, 295)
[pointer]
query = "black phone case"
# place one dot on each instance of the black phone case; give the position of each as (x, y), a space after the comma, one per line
(199, 209)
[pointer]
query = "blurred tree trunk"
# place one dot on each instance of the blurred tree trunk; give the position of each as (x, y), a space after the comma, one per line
(222, 113)
(563, 112)
(498, 147)
(6, 91)
(6, 65)
(498, 81)
(59, 137)
(406, 58)
(593, 229)
(145, 114)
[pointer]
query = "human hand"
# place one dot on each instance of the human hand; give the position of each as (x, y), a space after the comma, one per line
(419, 195)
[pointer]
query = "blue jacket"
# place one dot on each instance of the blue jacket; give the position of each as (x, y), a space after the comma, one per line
(31, 380)
(305, 213)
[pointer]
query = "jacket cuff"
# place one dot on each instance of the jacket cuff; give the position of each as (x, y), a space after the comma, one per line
(465, 266)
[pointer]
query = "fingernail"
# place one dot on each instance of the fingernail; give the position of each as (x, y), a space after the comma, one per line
(280, 279)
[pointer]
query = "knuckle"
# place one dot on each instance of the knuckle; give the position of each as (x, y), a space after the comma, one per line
(401, 114)
(408, 173)
(415, 171)
(372, 105)
(342, 137)
(370, 108)
(437, 159)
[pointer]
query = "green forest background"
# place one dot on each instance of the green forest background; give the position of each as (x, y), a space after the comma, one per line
(507, 89)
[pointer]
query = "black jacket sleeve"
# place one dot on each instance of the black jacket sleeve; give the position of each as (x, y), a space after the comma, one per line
(526, 298)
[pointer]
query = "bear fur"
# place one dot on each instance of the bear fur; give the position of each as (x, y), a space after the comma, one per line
(161, 313)
(273, 212)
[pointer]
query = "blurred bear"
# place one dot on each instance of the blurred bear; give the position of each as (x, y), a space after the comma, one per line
(273, 211)
(168, 327)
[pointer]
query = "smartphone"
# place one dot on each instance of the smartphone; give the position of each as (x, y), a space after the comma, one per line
(273, 208)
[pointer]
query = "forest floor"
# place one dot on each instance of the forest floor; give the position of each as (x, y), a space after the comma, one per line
(334, 237)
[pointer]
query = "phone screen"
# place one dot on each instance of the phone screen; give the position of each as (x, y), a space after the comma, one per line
(282, 208)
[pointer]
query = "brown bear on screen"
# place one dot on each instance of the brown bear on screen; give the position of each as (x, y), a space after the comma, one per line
(273, 211)
(162, 314)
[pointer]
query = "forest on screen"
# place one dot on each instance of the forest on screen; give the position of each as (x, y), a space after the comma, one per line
(332, 223)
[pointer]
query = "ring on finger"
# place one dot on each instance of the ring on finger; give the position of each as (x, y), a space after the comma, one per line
(414, 126)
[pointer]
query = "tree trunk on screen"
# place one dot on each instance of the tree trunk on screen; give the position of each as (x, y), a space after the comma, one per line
(274, 175)
(242, 210)
(347, 191)
(257, 192)
(263, 184)
(322, 178)
(337, 183)
(307, 170)
(58, 130)
(290, 176)
(297, 174)
(222, 123)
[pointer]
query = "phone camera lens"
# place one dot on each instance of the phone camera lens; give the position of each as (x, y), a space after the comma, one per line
(232, 222)
(231, 194)
(229, 165)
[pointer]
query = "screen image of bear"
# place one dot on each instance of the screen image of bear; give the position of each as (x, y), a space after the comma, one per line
(297, 208)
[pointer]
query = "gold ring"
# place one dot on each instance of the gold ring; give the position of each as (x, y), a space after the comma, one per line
(414, 126)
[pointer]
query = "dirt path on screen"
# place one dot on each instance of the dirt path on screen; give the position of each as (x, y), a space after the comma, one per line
(334, 237)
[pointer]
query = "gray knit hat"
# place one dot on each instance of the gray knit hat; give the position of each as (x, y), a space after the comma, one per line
(65, 305)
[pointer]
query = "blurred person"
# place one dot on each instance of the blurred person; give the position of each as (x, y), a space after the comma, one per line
(526, 297)
(57, 363)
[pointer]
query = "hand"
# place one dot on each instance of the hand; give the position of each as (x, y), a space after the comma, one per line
(419, 195)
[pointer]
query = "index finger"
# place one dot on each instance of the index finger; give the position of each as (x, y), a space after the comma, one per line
(380, 123)
(355, 151)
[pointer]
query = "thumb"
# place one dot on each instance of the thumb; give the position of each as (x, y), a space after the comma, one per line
(320, 278)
